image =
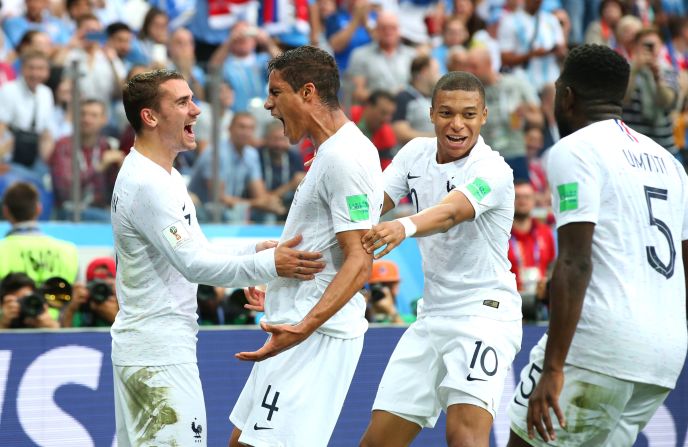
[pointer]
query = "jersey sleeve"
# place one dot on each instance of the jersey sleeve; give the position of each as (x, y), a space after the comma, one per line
(576, 183)
(394, 176)
(490, 184)
(155, 216)
(349, 189)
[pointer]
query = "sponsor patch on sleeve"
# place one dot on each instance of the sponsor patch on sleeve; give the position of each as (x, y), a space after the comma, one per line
(359, 208)
(176, 234)
(568, 196)
(479, 189)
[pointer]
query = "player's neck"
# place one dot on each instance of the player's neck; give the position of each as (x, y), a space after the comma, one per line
(151, 149)
(597, 111)
(325, 123)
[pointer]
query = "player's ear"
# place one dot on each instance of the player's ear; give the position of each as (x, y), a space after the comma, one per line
(308, 91)
(148, 118)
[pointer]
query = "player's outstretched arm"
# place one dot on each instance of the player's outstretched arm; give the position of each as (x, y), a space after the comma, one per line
(451, 211)
(570, 279)
(350, 278)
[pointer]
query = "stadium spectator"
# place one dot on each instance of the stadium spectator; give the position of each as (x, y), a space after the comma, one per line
(61, 122)
(101, 72)
(625, 31)
(316, 328)
(535, 145)
(512, 101)
(27, 110)
(457, 59)
(183, 59)
(531, 248)
(98, 166)
(601, 31)
(374, 120)
(412, 116)
(348, 28)
(154, 333)
(581, 13)
(384, 287)
(470, 308)
(241, 181)
(382, 64)
(93, 304)
(652, 91)
(36, 17)
(75, 9)
(22, 306)
(151, 45)
(532, 41)
(617, 287)
(204, 127)
(117, 47)
(282, 168)
(25, 248)
(244, 66)
(454, 33)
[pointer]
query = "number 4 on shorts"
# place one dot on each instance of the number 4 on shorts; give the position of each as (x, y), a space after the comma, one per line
(271, 407)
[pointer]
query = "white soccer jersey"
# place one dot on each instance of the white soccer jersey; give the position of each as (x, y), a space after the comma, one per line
(342, 191)
(633, 323)
(466, 269)
(160, 250)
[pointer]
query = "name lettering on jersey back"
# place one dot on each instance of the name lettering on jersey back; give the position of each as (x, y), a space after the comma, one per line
(645, 161)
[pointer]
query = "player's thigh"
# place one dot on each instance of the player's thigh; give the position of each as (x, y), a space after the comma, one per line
(644, 402)
(478, 353)
(468, 423)
(389, 430)
(294, 398)
(408, 387)
(592, 403)
(159, 405)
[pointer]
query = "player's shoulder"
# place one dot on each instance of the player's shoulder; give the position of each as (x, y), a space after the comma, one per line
(484, 157)
(419, 147)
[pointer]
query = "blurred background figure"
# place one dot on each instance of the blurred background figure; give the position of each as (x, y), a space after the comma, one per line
(531, 252)
(93, 304)
(384, 288)
(375, 121)
(22, 306)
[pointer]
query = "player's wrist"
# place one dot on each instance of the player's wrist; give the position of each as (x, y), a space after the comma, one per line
(409, 227)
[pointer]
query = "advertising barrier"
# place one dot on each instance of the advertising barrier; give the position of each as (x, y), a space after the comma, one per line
(56, 389)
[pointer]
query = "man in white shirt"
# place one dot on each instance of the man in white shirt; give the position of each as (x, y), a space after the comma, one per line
(161, 256)
(455, 357)
(617, 335)
(294, 399)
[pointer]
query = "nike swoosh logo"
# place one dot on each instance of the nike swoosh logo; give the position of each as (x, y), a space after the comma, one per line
(471, 379)
(256, 427)
(411, 177)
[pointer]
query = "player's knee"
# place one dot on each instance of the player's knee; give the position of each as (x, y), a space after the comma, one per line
(466, 438)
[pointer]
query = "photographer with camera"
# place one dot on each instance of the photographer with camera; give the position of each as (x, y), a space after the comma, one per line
(95, 303)
(652, 91)
(21, 305)
(384, 287)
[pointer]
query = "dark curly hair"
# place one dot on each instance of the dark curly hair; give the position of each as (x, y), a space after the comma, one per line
(309, 64)
(596, 72)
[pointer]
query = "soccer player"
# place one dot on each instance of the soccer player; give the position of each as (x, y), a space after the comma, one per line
(617, 335)
(456, 356)
(294, 399)
(161, 254)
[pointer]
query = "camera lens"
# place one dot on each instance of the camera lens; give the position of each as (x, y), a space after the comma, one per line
(32, 306)
(99, 291)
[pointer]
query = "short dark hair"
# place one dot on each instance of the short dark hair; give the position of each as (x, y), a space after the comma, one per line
(596, 72)
(21, 200)
(143, 91)
(459, 80)
(152, 13)
(242, 114)
(13, 282)
(116, 27)
(309, 64)
(377, 95)
(647, 31)
(418, 64)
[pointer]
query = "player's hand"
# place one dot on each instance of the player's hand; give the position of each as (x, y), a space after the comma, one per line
(545, 396)
(389, 234)
(255, 297)
(297, 264)
(265, 245)
(282, 337)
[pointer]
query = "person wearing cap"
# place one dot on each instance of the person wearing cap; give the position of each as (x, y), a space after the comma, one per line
(25, 248)
(384, 288)
(93, 304)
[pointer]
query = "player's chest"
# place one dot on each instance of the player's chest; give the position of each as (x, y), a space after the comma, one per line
(427, 187)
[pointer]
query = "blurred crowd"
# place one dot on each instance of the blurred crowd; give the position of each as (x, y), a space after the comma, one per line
(63, 64)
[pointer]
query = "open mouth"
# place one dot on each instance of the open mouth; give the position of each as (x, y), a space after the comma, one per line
(188, 130)
(456, 139)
